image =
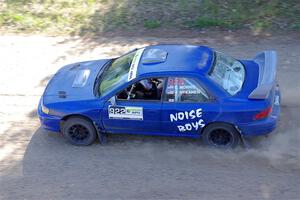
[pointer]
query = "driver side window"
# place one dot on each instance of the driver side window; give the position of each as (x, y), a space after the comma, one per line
(146, 89)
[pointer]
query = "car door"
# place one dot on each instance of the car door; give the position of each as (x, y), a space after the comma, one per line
(136, 109)
(187, 107)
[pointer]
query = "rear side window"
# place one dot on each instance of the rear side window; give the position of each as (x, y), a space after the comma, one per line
(228, 72)
(184, 90)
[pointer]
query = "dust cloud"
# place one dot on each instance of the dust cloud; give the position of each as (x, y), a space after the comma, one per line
(280, 148)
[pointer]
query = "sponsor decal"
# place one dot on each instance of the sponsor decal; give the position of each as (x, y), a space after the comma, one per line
(194, 115)
(125, 112)
(134, 64)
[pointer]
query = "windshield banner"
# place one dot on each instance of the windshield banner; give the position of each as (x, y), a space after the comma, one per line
(134, 64)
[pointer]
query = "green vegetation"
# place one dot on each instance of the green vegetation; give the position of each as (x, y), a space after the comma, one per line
(94, 16)
(152, 24)
(204, 22)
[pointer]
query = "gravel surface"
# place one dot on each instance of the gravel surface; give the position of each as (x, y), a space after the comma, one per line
(36, 164)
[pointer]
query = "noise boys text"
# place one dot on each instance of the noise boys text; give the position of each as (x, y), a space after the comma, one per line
(194, 115)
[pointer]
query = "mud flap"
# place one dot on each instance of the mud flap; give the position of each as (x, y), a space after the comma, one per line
(245, 143)
(102, 137)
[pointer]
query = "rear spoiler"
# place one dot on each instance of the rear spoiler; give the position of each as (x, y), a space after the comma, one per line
(267, 61)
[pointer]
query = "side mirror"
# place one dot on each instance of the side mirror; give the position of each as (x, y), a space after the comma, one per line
(112, 100)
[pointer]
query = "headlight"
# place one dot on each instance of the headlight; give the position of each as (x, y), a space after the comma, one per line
(45, 109)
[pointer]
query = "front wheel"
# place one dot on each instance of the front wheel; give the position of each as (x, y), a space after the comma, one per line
(79, 131)
(221, 135)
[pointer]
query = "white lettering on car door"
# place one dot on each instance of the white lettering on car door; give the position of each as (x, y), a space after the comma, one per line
(188, 115)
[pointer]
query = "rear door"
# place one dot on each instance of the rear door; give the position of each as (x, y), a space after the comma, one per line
(187, 107)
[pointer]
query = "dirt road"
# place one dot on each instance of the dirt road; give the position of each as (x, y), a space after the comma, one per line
(35, 164)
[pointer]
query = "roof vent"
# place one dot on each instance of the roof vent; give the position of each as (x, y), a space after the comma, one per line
(152, 56)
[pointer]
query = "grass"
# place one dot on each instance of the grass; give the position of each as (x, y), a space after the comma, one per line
(205, 22)
(151, 24)
(94, 16)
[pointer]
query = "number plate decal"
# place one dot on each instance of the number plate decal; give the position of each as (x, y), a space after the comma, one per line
(125, 112)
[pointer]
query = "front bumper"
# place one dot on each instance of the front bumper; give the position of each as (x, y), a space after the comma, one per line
(48, 121)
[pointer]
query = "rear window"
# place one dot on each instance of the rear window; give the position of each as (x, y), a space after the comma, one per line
(228, 72)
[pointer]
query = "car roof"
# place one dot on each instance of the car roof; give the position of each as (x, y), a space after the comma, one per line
(179, 58)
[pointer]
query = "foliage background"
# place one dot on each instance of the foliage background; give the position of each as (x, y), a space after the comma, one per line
(96, 16)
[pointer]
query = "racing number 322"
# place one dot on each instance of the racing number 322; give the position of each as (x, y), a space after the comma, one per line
(117, 110)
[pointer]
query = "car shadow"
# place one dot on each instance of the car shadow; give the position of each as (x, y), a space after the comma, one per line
(51, 162)
(128, 161)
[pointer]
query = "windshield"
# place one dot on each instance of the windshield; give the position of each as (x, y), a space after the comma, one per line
(228, 73)
(116, 73)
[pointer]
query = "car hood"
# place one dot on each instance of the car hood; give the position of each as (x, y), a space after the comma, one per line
(73, 82)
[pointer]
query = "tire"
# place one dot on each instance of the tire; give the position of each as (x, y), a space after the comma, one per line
(221, 135)
(79, 131)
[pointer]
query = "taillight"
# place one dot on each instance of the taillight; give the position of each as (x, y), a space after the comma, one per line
(263, 114)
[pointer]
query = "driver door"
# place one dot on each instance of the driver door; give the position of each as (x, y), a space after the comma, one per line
(136, 109)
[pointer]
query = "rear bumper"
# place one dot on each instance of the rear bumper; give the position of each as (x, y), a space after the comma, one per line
(259, 128)
(263, 127)
(49, 122)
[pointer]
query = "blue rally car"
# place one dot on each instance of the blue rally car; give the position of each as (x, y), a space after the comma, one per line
(170, 90)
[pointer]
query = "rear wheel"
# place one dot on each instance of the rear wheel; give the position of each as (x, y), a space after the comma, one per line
(79, 131)
(221, 135)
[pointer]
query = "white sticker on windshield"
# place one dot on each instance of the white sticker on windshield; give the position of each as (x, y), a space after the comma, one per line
(125, 112)
(134, 64)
